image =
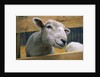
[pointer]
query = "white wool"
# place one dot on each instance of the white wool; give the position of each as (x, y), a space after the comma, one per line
(42, 42)
(74, 46)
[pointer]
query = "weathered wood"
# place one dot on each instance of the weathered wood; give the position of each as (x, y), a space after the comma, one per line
(23, 53)
(17, 45)
(25, 23)
(58, 56)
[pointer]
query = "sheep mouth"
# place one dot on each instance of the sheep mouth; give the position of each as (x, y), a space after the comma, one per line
(61, 45)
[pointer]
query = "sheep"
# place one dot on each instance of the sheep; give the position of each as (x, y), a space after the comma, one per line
(51, 34)
(74, 46)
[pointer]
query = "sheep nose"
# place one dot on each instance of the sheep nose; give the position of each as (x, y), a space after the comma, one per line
(64, 41)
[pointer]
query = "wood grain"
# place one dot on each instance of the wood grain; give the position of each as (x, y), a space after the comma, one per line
(23, 53)
(17, 45)
(25, 23)
(58, 56)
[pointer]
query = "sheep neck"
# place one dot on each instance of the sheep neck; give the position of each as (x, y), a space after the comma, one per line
(41, 44)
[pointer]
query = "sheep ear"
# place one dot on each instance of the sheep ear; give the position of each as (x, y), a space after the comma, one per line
(38, 22)
(67, 31)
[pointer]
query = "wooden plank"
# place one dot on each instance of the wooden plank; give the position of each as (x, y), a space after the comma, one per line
(23, 53)
(17, 45)
(59, 56)
(25, 23)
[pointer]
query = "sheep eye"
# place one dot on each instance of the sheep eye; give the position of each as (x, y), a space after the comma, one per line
(65, 30)
(49, 27)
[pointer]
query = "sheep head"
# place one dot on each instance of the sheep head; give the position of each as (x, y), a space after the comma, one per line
(53, 33)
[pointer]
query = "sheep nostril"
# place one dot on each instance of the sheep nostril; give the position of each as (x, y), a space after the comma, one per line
(64, 41)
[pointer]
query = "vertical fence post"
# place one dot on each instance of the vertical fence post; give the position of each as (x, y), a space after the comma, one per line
(17, 45)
